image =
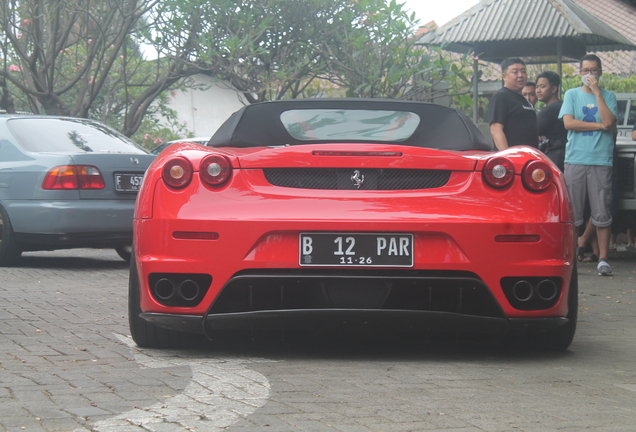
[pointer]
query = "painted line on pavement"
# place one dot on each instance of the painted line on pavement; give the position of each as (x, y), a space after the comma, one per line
(222, 391)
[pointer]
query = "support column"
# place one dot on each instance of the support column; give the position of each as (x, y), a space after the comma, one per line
(475, 89)
(560, 64)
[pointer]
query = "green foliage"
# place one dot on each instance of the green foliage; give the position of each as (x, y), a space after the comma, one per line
(61, 55)
(266, 49)
(82, 58)
(151, 134)
(444, 75)
(372, 50)
(571, 78)
(161, 124)
(482, 109)
(611, 82)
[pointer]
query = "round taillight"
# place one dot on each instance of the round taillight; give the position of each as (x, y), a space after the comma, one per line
(215, 170)
(536, 175)
(177, 172)
(499, 172)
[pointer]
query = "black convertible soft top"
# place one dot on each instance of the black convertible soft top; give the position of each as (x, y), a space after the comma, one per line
(268, 124)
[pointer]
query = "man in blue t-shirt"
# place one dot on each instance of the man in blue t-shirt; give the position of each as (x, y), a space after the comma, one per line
(589, 115)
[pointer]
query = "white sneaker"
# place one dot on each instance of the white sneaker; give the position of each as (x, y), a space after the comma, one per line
(604, 268)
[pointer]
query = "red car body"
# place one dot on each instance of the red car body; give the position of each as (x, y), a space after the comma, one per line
(245, 233)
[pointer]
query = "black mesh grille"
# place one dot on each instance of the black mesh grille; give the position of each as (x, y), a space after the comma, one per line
(262, 292)
(356, 179)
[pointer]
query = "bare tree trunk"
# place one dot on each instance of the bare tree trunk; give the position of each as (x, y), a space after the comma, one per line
(6, 100)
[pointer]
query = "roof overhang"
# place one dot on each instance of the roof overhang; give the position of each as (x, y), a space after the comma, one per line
(497, 29)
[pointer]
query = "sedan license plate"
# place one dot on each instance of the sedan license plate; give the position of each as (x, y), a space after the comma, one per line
(360, 250)
(128, 182)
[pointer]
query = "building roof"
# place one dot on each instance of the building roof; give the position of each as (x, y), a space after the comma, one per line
(496, 29)
(620, 15)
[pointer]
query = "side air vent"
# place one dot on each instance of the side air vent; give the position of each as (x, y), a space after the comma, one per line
(356, 179)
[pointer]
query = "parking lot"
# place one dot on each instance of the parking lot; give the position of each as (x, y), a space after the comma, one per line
(67, 363)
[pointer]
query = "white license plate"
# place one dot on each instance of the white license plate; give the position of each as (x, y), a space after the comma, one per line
(128, 182)
(356, 249)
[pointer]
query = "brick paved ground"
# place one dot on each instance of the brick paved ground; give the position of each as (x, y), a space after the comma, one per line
(66, 364)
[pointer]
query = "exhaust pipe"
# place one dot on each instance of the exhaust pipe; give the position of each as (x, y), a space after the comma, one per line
(522, 291)
(164, 289)
(189, 290)
(547, 290)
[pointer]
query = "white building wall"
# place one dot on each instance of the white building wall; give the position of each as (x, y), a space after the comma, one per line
(205, 110)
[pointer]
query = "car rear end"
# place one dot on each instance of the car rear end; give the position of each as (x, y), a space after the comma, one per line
(74, 183)
(333, 232)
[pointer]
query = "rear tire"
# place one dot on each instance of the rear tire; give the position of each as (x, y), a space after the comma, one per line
(146, 334)
(561, 338)
(9, 251)
(558, 339)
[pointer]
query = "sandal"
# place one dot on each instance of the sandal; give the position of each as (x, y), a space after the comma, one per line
(580, 253)
(591, 259)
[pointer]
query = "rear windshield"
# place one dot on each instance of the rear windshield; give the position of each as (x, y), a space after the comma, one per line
(356, 120)
(349, 124)
(55, 135)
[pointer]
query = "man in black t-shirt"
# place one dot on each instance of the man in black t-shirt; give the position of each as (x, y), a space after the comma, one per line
(550, 127)
(513, 120)
(529, 91)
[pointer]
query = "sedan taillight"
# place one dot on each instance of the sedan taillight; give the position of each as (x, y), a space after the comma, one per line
(215, 170)
(499, 172)
(536, 175)
(177, 172)
(73, 177)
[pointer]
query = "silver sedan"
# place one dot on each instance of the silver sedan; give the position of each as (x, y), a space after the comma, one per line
(66, 183)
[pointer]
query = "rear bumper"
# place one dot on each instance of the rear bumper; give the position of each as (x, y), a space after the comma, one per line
(271, 250)
(73, 218)
(68, 241)
(333, 318)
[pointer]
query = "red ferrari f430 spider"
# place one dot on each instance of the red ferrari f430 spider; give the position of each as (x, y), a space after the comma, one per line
(322, 211)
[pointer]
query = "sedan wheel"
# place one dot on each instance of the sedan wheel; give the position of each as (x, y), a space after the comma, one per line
(124, 251)
(9, 252)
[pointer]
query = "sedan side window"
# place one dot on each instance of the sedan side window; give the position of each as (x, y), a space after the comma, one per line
(620, 111)
(631, 116)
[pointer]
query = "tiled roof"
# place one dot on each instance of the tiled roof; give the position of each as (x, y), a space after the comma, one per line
(620, 15)
(617, 15)
(498, 28)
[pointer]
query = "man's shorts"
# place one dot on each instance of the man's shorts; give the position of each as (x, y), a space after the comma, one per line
(593, 182)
